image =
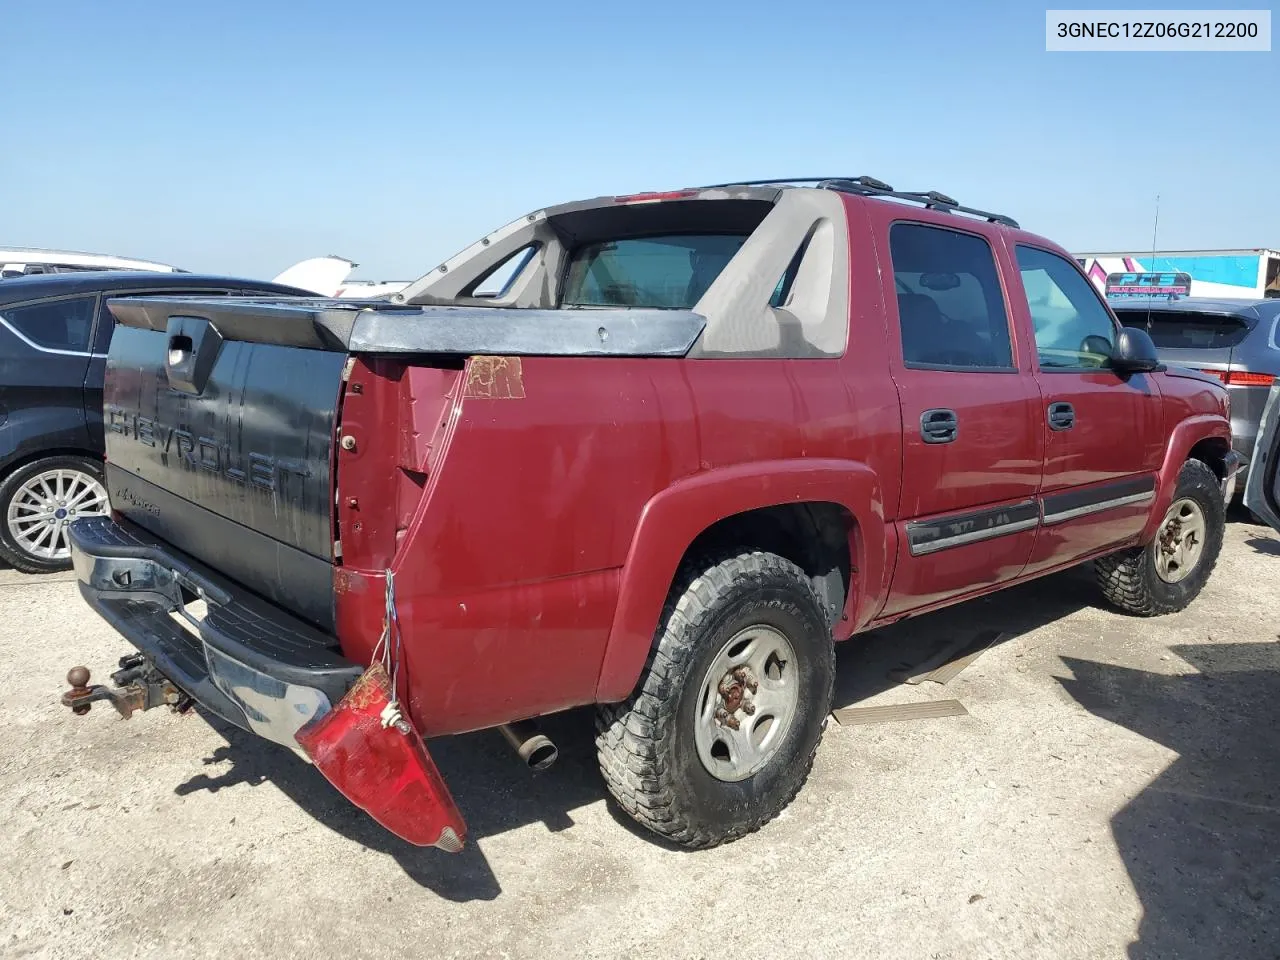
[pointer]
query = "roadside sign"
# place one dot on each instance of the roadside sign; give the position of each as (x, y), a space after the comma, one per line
(1120, 285)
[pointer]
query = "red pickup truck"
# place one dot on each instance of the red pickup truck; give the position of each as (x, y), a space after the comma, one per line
(655, 453)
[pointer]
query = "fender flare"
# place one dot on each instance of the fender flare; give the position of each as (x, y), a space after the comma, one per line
(1184, 436)
(675, 516)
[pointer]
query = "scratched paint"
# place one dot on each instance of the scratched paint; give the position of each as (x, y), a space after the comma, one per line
(495, 378)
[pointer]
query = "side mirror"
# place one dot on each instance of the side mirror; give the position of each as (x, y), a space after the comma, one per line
(1134, 352)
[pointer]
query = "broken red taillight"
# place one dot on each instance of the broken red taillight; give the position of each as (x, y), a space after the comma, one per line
(1242, 378)
(379, 762)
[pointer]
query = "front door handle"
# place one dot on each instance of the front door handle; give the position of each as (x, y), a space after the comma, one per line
(939, 426)
(1062, 416)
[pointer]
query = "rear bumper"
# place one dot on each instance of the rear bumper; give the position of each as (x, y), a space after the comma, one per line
(241, 658)
(265, 671)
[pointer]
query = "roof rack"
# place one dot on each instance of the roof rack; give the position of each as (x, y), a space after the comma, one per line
(871, 187)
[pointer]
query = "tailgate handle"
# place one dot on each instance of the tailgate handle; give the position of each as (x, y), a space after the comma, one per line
(193, 345)
(179, 350)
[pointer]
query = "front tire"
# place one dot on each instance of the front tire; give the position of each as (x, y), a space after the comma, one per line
(721, 733)
(38, 501)
(1168, 573)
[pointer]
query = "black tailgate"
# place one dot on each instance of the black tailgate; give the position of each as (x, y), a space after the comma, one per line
(220, 442)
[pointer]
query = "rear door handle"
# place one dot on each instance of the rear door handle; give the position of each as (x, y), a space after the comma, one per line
(1062, 416)
(939, 426)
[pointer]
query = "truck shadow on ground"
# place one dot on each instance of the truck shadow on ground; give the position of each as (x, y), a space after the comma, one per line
(1202, 841)
(1265, 545)
(493, 789)
(865, 663)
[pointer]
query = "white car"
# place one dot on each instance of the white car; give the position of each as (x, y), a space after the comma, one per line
(324, 276)
(21, 261)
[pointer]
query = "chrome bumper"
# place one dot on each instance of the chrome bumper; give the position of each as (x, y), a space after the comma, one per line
(250, 663)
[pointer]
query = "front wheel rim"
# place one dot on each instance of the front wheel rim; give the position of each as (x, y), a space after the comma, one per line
(747, 702)
(45, 506)
(1180, 542)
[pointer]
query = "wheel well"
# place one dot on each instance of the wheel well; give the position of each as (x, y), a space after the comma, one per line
(17, 463)
(813, 536)
(1212, 452)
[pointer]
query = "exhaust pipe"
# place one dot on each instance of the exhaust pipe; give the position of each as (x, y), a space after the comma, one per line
(532, 746)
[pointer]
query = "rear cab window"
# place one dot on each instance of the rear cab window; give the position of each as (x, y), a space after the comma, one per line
(654, 256)
(661, 272)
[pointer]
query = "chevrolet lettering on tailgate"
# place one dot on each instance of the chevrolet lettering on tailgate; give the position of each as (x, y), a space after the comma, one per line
(204, 453)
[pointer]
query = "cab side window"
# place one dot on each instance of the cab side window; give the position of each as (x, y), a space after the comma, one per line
(950, 306)
(1074, 331)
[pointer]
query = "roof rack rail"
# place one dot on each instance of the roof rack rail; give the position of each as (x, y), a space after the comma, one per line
(871, 187)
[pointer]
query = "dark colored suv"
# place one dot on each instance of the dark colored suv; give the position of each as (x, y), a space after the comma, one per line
(54, 333)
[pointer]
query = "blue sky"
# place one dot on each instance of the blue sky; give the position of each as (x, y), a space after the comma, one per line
(238, 137)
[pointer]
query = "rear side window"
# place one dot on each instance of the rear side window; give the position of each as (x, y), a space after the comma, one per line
(57, 325)
(1073, 329)
(671, 272)
(1187, 329)
(950, 305)
(497, 282)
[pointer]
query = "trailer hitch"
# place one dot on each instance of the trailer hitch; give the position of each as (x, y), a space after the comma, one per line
(137, 685)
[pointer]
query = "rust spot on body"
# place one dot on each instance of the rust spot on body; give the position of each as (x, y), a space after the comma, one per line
(347, 581)
(495, 378)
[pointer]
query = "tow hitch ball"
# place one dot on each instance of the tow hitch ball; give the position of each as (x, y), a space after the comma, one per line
(137, 685)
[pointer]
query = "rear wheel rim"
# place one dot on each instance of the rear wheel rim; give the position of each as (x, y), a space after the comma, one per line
(1180, 542)
(747, 702)
(46, 504)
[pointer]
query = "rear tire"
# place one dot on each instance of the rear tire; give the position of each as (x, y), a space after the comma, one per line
(1169, 572)
(677, 764)
(68, 485)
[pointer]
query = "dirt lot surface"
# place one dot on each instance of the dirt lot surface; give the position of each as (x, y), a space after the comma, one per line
(1113, 791)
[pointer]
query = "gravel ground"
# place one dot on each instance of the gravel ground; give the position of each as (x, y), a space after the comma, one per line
(1112, 792)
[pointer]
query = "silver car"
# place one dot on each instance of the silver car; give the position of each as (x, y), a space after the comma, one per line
(1234, 340)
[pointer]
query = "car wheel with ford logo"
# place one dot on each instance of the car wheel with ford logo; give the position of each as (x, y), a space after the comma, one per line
(38, 502)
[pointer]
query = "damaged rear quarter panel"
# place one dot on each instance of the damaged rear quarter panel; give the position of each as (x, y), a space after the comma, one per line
(507, 575)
